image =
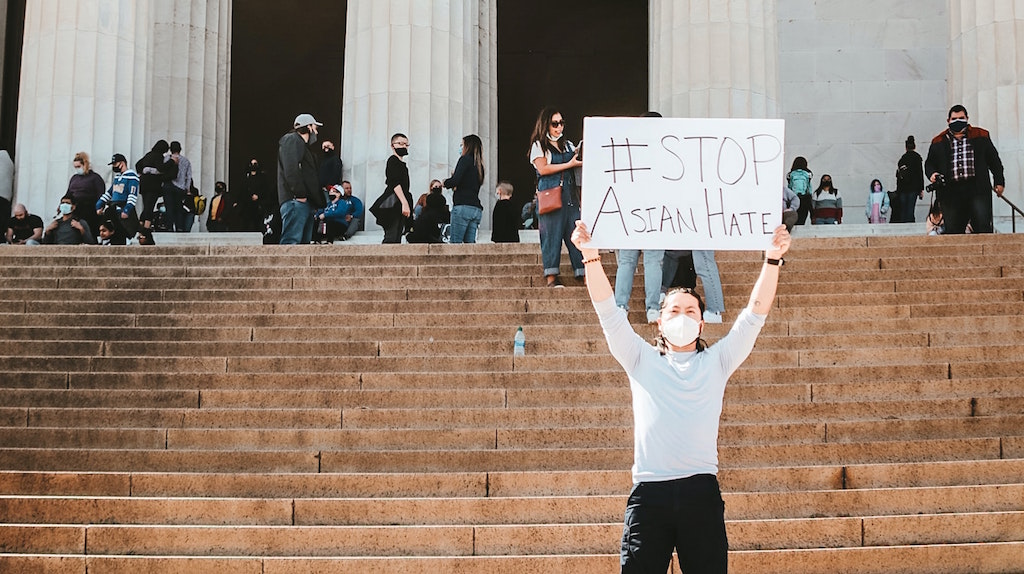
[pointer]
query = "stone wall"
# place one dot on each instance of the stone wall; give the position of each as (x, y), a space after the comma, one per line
(857, 78)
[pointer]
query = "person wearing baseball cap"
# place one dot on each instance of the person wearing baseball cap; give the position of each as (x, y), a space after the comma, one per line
(298, 182)
(118, 203)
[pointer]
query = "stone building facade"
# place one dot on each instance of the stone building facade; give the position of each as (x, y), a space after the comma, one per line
(851, 79)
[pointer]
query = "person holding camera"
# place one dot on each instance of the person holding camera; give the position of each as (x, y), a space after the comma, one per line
(958, 165)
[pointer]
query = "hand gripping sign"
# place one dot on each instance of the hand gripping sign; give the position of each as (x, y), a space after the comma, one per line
(672, 183)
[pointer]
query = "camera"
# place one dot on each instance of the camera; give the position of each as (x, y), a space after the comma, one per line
(940, 182)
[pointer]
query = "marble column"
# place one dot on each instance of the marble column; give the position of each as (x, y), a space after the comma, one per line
(83, 88)
(986, 75)
(714, 59)
(113, 76)
(425, 68)
(190, 76)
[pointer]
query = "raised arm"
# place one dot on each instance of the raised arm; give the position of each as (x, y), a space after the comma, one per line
(763, 295)
(597, 282)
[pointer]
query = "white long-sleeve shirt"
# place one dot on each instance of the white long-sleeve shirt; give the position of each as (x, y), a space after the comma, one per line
(677, 398)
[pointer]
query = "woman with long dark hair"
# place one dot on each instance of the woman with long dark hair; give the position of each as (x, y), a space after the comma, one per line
(826, 203)
(554, 159)
(465, 182)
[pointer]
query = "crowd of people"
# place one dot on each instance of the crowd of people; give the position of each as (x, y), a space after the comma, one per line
(957, 169)
(313, 204)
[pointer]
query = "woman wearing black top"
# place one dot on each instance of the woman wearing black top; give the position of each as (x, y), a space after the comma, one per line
(909, 183)
(465, 182)
(396, 175)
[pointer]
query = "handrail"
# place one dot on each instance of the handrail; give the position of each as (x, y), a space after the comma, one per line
(1014, 210)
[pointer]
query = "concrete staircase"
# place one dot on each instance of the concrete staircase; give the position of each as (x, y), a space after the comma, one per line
(356, 408)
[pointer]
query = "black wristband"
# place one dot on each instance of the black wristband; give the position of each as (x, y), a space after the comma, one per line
(777, 262)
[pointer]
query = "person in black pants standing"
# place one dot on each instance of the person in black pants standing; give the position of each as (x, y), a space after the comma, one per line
(909, 184)
(962, 156)
(395, 216)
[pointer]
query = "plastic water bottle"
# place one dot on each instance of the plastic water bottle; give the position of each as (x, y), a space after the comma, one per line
(519, 344)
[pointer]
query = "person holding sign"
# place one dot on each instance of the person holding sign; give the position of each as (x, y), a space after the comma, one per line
(677, 390)
(554, 159)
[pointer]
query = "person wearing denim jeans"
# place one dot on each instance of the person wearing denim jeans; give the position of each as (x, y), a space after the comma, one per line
(465, 182)
(298, 183)
(628, 259)
(296, 222)
(554, 160)
(465, 223)
(706, 267)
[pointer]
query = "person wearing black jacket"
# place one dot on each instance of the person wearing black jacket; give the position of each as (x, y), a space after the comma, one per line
(909, 184)
(505, 218)
(253, 199)
(330, 167)
(427, 227)
(154, 169)
(963, 156)
(298, 182)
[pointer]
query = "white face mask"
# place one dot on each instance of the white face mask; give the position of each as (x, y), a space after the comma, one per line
(65, 208)
(680, 330)
(79, 171)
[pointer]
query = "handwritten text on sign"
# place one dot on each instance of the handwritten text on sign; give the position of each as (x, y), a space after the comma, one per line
(668, 183)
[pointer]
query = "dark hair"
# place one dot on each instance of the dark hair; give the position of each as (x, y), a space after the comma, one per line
(659, 340)
(540, 130)
(68, 197)
(955, 109)
(398, 135)
(873, 182)
(910, 143)
(175, 147)
(161, 147)
(935, 209)
(108, 224)
(831, 184)
(799, 163)
(474, 148)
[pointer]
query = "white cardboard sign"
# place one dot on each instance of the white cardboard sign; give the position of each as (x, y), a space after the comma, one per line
(673, 183)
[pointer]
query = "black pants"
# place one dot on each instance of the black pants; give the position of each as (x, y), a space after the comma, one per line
(963, 203)
(903, 209)
(686, 514)
(804, 209)
(149, 199)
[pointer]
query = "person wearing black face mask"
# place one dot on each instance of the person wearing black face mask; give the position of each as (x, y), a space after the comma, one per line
(254, 199)
(298, 185)
(118, 202)
(962, 156)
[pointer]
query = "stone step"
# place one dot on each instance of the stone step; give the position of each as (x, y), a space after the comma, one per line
(983, 558)
(443, 412)
(497, 347)
(143, 379)
(496, 540)
(494, 459)
(497, 484)
(439, 511)
(485, 438)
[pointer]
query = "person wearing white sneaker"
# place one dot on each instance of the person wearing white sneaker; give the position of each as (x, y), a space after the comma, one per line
(677, 390)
